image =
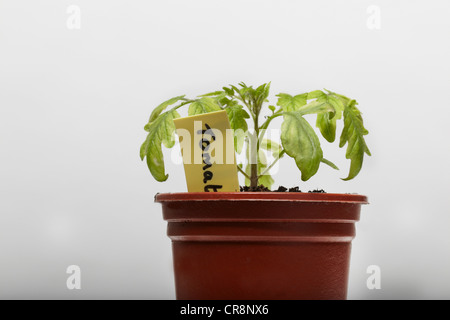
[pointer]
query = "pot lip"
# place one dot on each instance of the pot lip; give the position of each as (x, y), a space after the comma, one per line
(262, 196)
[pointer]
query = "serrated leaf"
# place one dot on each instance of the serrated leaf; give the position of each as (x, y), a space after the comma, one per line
(291, 103)
(237, 115)
(301, 143)
(260, 89)
(345, 100)
(203, 105)
(234, 88)
(160, 132)
(246, 91)
(219, 97)
(353, 135)
(225, 102)
(262, 92)
(316, 107)
(228, 91)
(315, 94)
(157, 111)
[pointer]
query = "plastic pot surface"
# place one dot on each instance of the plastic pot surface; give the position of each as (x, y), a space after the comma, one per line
(261, 245)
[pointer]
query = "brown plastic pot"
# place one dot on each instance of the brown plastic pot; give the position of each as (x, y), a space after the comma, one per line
(261, 245)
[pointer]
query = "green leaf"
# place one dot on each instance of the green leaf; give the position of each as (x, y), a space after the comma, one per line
(229, 91)
(237, 115)
(316, 107)
(315, 94)
(329, 163)
(271, 146)
(301, 143)
(246, 92)
(219, 97)
(215, 93)
(326, 122)
(327, 126)
(160, 131)
(262, 92)
(267, 90)
(234, 88)
(224, 102)
(203, 105)
(344, 100)
(353, 134)
(337, 104)
(291, 103)
(157, 111)
(266, 180)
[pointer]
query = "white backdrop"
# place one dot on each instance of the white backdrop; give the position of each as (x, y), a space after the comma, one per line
(79, 78)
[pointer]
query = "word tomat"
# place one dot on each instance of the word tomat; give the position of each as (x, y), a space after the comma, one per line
(205, 144)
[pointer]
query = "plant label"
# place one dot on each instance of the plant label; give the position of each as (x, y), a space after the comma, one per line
(207, 148)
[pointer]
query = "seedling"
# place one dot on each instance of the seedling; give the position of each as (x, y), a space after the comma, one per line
(244, 103)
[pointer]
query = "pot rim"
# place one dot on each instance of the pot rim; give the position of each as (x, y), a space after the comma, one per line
(262, 196)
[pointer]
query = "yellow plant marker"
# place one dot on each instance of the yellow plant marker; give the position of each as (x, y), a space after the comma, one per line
(207, 147)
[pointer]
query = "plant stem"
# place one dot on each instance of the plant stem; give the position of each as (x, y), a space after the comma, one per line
(243, 172)
(269, 119)
(254, 151)
(254, 148)
(254, 141)
(254, 104)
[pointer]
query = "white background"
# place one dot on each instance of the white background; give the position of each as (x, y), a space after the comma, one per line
(73, 103)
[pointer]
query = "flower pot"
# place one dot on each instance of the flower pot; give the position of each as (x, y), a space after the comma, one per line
(261, 245)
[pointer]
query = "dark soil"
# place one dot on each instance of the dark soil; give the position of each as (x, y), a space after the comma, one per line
(261, 188)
